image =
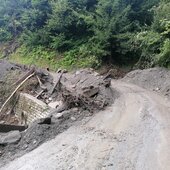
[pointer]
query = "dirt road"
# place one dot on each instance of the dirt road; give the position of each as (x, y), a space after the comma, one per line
(132, 134)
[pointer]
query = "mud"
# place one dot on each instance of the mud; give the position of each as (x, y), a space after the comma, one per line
(35, 135)
(38, 134)
(132, 134)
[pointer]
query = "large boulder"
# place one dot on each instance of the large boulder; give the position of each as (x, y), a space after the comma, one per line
(84, 88)
(10, 137)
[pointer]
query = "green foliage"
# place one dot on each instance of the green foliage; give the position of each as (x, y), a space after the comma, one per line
(5, 35)
(161, 14)
(164, 56)
(161, 25)
(166, 27)
(78, 58)
(36, 56)
(87, 32)
(148, 42)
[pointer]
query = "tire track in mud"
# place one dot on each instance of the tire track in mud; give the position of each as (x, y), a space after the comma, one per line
(132, 151)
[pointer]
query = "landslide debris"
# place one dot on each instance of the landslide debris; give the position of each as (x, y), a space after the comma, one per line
(9, 74)
(74, 96)
(85, 88)
(156, 79)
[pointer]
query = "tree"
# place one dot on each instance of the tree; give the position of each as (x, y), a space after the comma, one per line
(119, 31)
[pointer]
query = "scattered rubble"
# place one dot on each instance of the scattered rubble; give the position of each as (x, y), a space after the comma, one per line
(83, 88)
(63, 90)
(40, 132)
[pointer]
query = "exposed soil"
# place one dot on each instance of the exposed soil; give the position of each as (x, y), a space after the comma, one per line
(154, 79)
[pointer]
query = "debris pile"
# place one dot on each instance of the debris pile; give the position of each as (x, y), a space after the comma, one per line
(9, 74)
(70, 97)
(84, 89)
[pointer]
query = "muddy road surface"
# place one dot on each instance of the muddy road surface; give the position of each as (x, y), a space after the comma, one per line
(132, 134)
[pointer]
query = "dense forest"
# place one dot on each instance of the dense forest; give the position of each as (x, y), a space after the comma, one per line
(87, 33)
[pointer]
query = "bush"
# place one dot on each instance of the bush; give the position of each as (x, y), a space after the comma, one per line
(148, 44)
(5, 35)
(77, 58)
(35, 56)
(164, 56)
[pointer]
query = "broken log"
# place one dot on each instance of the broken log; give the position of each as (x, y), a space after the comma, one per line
(40, 93)
(59, 75)
(41, 84)
(24, 77)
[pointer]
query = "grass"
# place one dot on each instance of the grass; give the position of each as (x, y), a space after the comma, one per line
(44, 58)
(38, 57)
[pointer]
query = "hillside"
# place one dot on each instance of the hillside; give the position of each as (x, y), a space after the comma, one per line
(84, 84)
(86, 33)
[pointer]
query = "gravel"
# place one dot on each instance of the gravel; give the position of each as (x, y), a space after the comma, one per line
(155, 79)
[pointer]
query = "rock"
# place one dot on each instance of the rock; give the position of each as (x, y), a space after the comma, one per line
(62, 107)
(50, 99)
(55, 104)
(55, 120)
(34, 142)
(77, 73)
(65, 71)
(58, 115)
(73, 86)
(156, 89)
(107, 82)
(96, 74)
(59, 70)
(25, 147)
(10, 137)
(75, 109)
(46, 120)
(2, 122)
(73, 118)
(91, 91)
